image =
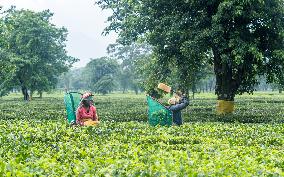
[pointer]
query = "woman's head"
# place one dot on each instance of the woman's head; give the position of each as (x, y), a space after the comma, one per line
(87, 99)
(87, 95)
(86, 103)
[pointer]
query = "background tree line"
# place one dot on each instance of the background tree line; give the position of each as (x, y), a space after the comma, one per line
(129, 68)
(230, 47)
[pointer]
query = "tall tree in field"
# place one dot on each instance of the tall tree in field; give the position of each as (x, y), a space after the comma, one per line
(39, 47)
(7, 72)
(128, 56)
(7, 69)
(244, 37)
(100, 73)
(72, 80)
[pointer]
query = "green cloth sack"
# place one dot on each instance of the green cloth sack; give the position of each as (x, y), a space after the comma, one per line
(158, 114)
(72, 101)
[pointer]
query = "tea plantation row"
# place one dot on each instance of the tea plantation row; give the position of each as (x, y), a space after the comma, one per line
(36, 141)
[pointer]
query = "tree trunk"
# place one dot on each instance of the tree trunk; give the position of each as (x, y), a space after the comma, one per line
(31, 95)
(136, 91)
(193, 91)
(265, 88)
(226, 85)
(40, 94)
(206, 87)
(25, 93)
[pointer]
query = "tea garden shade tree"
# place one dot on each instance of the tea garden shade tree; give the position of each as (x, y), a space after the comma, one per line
(7, 72)
(130, 57)
(241, 39)
(99, 74)
(38, 47)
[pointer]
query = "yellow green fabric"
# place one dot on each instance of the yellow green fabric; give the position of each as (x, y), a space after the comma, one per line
(91, 123)
(225, 107)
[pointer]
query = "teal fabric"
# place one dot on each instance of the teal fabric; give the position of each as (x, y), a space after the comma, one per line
(158, 114)
(72, 101)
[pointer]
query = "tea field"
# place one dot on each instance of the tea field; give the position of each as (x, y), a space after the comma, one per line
(36, 140)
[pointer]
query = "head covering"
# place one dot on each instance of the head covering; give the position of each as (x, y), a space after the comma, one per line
(87, 96)
(172, 101)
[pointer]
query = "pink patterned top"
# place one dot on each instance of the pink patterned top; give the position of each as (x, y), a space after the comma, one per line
(82, 114)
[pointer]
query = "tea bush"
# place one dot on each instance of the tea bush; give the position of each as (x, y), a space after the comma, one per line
(36, 140)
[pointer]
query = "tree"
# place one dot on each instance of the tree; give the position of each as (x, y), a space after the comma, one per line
(149, 75)
(262, 84)
(100, 73)
(38, 47)
(104, 85)
(64, 81)
(244, 37)
(7, 69)
(128, 56)
(72, 80)
(125, 78)
(7, 73)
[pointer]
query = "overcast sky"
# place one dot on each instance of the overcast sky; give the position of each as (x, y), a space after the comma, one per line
(84, 20)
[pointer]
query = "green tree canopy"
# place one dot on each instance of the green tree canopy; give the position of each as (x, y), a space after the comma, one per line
(99, 74)
(241, 39)
(38, 47)
(129, 57)
(7, 72)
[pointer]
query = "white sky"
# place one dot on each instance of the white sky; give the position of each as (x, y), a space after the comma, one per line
(84, 20)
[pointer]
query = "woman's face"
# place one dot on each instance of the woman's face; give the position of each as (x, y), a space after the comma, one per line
(86, 103)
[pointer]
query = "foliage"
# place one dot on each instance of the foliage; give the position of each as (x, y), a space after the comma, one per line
(104, 85)
(241, 39)
(72, 80)
(7, 72)
(125, 79)
(99, 74)
(37, 46)
(36, 141)
(129, 57)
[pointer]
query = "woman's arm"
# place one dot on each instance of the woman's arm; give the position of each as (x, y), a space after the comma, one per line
(95, 115)
(183, 103)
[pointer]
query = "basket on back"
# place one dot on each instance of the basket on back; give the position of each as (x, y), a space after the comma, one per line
(158, 114)
(72, 101)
